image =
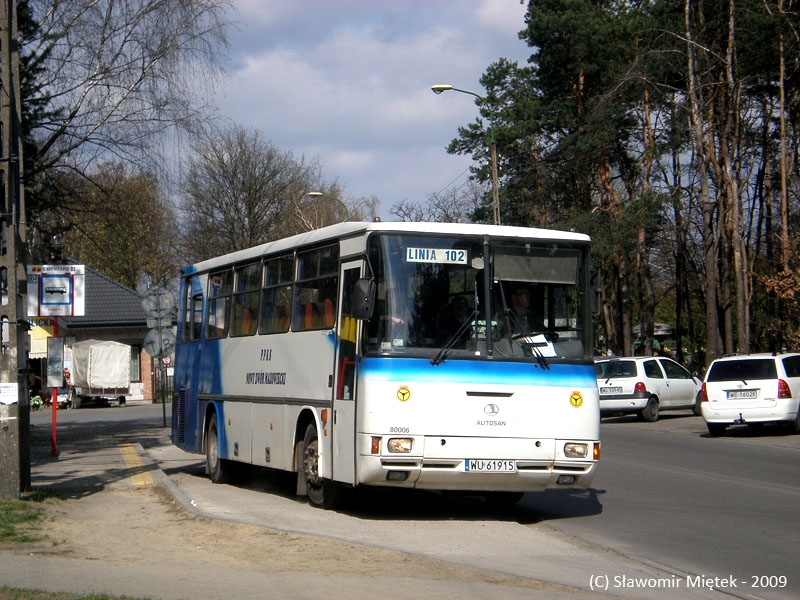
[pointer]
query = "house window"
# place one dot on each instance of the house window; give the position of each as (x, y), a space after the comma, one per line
(136, 371)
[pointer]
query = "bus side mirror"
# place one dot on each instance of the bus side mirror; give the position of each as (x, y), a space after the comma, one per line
(364, 293)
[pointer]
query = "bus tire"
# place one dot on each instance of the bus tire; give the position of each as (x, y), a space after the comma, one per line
(322, 493)
(217, 468)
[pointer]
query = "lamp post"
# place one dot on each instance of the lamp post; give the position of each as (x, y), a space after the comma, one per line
(342, 204)
(443, 87)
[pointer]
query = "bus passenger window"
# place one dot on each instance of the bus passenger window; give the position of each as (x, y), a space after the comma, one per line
(246, 299)
(196, 316)
(316, 288)
(276, 297)
(219, 305)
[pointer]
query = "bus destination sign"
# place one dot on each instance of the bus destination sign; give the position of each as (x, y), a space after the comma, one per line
(437, 255)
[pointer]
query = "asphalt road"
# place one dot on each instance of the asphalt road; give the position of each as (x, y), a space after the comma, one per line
(667, 499)
(674, 496)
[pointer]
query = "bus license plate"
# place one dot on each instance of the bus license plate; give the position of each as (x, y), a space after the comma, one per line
(490, 466)
(743, 394)
(611, 390)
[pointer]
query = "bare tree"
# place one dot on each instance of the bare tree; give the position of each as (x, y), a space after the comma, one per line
(240, 191)
(133, 242)
(454, 205)
(325, 206)
(114, 75)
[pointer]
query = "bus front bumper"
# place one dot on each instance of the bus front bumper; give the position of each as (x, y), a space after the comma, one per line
(496, 470)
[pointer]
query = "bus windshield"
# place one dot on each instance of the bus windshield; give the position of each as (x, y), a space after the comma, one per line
(435, 297)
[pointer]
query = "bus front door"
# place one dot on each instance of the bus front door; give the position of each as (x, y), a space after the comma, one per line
(344, 410)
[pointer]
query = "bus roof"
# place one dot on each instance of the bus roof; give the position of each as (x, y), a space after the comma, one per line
(353, 228)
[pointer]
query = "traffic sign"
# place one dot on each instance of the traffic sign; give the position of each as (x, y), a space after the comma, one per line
(159, 343)
(159, 322)
(158, 302)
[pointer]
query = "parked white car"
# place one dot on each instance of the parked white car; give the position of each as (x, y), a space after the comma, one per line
(645, 385)
(751, 389)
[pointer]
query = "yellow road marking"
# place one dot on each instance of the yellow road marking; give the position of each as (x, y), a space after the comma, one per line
(134, 461)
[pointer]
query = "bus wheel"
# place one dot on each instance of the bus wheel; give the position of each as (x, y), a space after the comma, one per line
(216, 467)
(322, 493)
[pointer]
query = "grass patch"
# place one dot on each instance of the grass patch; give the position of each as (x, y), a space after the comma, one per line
(17, 594)
(20, 521)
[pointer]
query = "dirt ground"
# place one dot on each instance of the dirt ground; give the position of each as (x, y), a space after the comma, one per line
(147, 527)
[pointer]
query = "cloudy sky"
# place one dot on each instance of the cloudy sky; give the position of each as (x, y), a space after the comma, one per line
(348, 82)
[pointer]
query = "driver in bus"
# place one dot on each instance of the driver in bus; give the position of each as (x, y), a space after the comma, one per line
(517, 315)
(518, 318)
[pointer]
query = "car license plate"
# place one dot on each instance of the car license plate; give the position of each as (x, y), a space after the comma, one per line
(473, 465)
(742, 394)
(611, 390)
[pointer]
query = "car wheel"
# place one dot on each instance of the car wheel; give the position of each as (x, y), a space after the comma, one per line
(696, 410)
(716, 429)
(650, 412)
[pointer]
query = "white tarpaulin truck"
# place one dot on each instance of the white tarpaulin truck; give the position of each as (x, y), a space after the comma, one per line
(101, 370)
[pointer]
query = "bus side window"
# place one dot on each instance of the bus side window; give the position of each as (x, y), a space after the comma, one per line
(246, 299)
(196, 316)
(329, 312)
(276, 295)
(316, 287)
(307, 312)
(186, 311)
(219, 304)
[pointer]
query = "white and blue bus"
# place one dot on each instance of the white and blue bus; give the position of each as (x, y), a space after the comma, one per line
(410, 355)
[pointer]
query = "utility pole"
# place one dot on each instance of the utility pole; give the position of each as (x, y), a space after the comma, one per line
(15, 459)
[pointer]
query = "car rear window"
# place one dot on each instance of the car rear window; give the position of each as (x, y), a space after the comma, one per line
(617, 368)
(743, 370)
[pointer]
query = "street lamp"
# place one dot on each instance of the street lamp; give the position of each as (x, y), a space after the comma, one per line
(342, 204)
(443, 87)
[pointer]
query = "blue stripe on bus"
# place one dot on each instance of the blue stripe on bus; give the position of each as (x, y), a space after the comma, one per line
(403, 370)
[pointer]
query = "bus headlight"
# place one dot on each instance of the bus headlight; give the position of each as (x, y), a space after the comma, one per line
(576, 450)
(402, 445)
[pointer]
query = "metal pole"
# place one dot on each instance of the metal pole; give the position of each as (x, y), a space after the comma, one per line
(495, 193)
(438, 89)
(54, 404)
(161, 362)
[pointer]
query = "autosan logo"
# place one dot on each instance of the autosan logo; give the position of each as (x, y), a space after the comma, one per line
(491, 410)
(403, 393)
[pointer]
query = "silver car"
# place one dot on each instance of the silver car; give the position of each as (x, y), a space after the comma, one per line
(751, 389)
(645, 385)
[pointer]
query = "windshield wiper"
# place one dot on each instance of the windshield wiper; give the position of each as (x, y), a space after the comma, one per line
(539, 357)
(529, 343)
(442, 354)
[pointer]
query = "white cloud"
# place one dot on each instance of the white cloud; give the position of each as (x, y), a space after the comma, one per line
(349, 82)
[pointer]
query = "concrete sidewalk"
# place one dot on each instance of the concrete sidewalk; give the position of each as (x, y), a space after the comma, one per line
(94, 454)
